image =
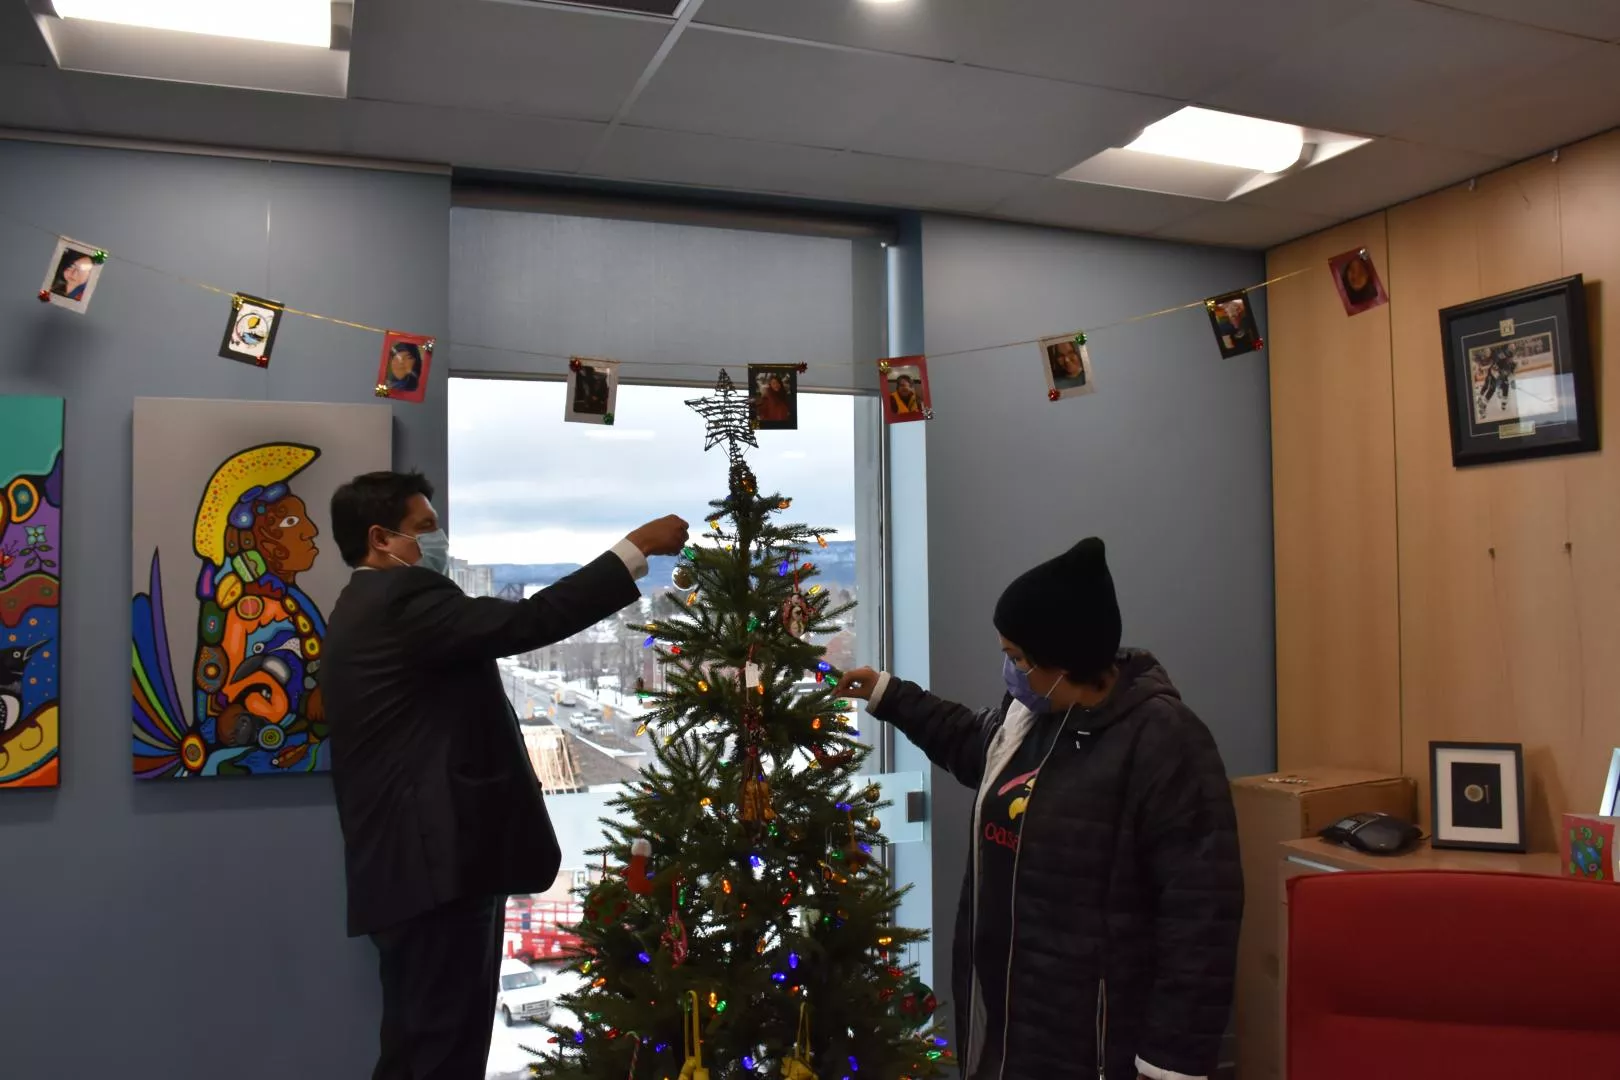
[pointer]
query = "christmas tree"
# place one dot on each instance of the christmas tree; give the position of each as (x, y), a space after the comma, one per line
(751, 929)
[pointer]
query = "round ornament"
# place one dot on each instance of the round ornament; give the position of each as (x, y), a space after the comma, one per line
(682, 577)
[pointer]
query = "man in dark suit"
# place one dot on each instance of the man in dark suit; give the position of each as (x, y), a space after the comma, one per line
(442, 816)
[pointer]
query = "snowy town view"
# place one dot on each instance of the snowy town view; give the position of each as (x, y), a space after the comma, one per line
(520, 520)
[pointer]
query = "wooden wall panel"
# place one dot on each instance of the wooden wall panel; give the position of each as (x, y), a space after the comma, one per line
(1508, 584)
(1333, 493)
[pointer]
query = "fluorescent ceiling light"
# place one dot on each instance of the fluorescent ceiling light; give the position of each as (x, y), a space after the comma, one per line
(1241, 142)
(287, 22)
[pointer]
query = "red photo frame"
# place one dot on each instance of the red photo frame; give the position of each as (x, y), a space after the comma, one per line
(903, 381)
(402, 372)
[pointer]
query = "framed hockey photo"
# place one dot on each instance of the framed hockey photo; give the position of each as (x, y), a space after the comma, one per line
(1519, 380)
(593, 389)
(402, 373)
(71, 277)
(773, 396)
(1232, 318)
(905, 389)
(1067, 365)
(1476, 793)
(250, 330)
(1356, 279)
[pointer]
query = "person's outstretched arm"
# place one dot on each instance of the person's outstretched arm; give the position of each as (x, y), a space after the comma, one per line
(446, 626)
(953, 736)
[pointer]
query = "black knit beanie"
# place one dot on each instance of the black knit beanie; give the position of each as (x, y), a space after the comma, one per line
(1063, 613)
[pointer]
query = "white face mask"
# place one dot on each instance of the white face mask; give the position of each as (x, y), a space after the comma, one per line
(434, 548)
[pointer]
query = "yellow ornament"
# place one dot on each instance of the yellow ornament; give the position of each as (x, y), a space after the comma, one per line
(692, 1037)
(796, 1066)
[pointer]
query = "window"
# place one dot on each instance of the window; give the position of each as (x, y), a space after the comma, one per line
(531, 498)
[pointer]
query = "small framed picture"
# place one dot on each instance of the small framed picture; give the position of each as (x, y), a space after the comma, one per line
(250, 330)
(1067, 364)
(904, 382)
(1477, 795)
(1519, 380)
(1356, 278)
(72, 275)
(402, 373)
(773, 396)
(1232, 317)
(593, 388)
(1610, 807)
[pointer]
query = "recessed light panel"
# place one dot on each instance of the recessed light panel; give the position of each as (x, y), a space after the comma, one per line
(285, 22)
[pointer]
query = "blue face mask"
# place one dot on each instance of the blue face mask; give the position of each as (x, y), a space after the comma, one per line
(435, 550)
(1018, 686)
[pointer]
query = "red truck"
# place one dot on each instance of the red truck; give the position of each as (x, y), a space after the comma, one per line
(534, 928)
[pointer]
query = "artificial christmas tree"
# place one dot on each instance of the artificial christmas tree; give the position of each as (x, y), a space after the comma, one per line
(765, 944)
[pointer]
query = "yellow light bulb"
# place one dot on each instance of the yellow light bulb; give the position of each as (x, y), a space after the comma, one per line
(703, 687)
(714, 999)
(641, 730)
(706, 801)
(822, 540)
(815, 725)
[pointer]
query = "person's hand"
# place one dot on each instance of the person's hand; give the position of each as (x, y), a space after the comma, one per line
(666, 536)
(857, 683)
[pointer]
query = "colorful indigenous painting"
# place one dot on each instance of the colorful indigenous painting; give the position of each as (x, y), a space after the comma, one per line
(30, 590)
(234, 568)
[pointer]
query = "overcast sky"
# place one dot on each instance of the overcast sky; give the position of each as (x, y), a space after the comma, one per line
(527, 488)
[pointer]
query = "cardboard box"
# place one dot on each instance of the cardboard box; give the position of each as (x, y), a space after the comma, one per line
(1273, 809)
(1586, 847)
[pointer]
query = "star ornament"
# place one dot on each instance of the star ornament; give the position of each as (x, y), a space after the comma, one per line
(726, 416)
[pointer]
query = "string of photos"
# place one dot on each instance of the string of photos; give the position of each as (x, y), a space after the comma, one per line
(251, 324)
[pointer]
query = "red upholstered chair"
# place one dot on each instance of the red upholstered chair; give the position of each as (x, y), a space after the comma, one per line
(1434, 976)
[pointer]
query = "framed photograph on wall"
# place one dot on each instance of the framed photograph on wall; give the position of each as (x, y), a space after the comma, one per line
(1519, 375)
(1610, 807)
(1476, 793)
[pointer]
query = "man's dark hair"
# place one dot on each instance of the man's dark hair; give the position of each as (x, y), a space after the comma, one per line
(375, 498)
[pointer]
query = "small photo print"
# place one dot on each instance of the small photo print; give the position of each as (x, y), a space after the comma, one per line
(905, 389)
(72, 275)
(1356, 278)
(593, 387)
(250, 330)
(1514, 380)
(773, 397)
(403, 370)
(1067, 364)
(1232, 317)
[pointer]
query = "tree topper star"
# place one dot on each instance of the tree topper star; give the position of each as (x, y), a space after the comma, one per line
(726, 414)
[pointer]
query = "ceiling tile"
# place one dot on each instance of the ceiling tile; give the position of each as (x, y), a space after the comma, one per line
(1241, 225)
(634, 153)
(511, 58)
(950, 112)
(182, 112)
(1590, 18)
(1392, 64)
(31, 97)
(477, 140)
(752, 88)
(1093, 206)
(20, 39)
(1098, 43)
(1577, 96)
(1371, 177)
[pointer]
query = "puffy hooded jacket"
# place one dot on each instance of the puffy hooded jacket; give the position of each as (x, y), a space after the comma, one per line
(1128, 890)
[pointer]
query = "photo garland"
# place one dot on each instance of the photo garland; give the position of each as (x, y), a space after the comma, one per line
(773, 396)
(904, 383)
(250, 330)
(593, 390)
(402, 372)
(1066, 363)
(71, 277)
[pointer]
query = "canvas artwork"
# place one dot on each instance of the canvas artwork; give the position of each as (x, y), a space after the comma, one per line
(30, 587)
(234, 569)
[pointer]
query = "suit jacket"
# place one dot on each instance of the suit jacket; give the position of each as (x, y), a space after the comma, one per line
(435, 793)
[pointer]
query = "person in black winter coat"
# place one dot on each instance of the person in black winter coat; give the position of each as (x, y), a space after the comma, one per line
(1097, 930)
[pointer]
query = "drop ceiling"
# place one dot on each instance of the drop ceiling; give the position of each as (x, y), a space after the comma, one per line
(966, 106)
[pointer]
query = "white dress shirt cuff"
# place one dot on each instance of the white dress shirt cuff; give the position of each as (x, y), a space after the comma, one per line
(879, 688)
(1153, 1072)
(634, 561)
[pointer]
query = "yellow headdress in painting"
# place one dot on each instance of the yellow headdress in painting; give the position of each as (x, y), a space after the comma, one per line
(256, 467)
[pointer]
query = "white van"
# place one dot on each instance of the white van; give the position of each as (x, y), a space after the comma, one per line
(522, 995)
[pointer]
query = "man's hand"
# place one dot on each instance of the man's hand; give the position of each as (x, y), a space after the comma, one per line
(857, 683)
(666, 536)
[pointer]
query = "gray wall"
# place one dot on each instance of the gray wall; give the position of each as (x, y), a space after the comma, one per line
(190, 930)
(1169, 462)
